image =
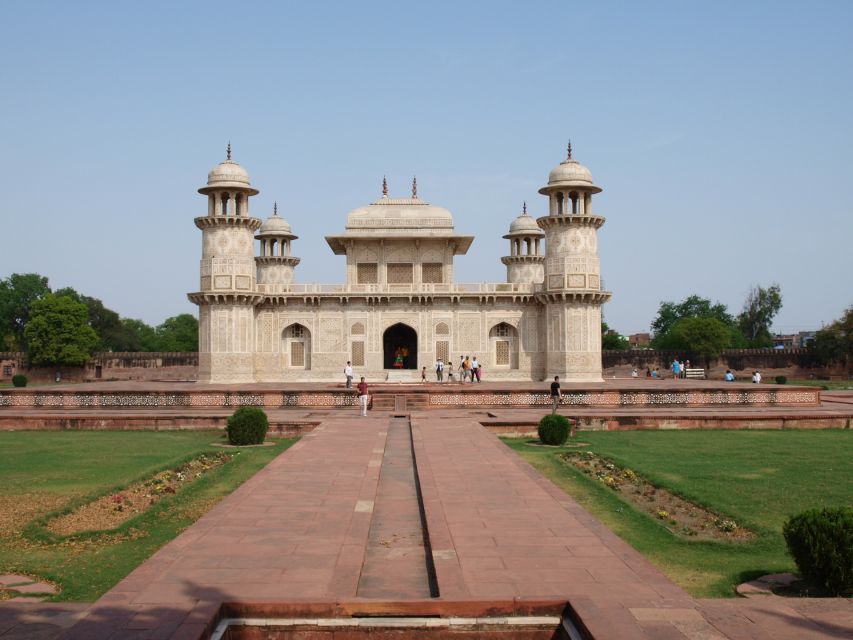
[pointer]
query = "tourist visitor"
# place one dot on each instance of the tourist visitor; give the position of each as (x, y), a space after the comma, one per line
(756, 377)
(348, 374)
(634, 373)
(686, 367)
(423, 374)
(466, 370)
(676, 369)
(450, 373)
(655, 374)
(729, 377)
(462, 369)
(648, 372)
(475, 370)
(362, 396)
(556, 394)
(439, 370)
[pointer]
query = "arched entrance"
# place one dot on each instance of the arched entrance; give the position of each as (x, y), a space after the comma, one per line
(400, 347)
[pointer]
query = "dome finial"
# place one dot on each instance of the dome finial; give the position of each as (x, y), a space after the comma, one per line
(275, 208)
(415, 188)
(569, 150)
(524, 209)
(228, 152)
(384, 187)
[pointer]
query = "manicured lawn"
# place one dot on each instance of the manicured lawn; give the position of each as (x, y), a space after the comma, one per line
(759, 478)
(41, 472)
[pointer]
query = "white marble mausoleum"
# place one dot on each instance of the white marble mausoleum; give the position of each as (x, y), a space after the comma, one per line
(399, 300)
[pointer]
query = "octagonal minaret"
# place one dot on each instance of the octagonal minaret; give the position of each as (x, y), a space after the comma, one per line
(524, 264)
(227, 294)
(276, 262)
(572, 286)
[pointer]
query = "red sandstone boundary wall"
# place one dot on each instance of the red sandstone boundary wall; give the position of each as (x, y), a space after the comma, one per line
(152, 366)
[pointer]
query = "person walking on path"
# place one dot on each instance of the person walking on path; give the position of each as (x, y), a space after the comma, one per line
(423, 374)
(348, 374)
(461, 369)
(466, 365)
(439, 370)
(475, 369)
(362, 396)
(676, 369)
(556, 394)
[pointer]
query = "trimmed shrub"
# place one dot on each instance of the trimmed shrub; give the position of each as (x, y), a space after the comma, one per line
(19, 380)
(781, 380)
(554, 429)
(821, 543)
(247, 425)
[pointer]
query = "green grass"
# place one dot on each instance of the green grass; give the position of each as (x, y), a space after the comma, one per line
(759, 478)
(42, 471)
(828, 385)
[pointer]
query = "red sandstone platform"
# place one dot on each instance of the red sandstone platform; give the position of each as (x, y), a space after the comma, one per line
(294, 541)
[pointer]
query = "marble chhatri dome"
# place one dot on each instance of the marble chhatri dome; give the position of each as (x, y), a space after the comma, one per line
(399, 307)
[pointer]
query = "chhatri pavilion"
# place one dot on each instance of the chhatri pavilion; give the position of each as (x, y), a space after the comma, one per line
(399, 308)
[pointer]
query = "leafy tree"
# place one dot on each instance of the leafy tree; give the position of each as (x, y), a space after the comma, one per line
(691, 307)
(58, 332)
(18, 293)
(703, 337)
(112, 334)
(139, 336)
(759, 309)
(611, 339)
(834, 343)
(178, 333)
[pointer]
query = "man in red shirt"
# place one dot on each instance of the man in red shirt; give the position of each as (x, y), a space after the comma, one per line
(362, 396)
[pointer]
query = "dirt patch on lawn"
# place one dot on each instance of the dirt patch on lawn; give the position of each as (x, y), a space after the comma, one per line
(681, 517)
(110, 511)
(18, 509)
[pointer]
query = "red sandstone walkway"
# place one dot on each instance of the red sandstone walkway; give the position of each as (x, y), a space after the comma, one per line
(299, 530)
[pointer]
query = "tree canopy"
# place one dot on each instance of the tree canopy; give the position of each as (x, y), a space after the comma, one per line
(613, 340)
(693, 306)
(58, 332)
(834, 343)
(178, 333)
(702, 337)
(759, 309)
(18, 293)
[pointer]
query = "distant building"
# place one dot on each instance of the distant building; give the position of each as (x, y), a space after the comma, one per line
(797, 340)
(400, 307)
(640, 339)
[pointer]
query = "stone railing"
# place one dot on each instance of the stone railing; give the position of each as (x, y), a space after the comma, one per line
(419, 288)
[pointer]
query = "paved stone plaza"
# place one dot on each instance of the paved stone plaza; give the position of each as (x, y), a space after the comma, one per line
(331, 527)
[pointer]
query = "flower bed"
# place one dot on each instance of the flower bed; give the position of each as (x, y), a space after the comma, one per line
(678, 515)
(112, 510)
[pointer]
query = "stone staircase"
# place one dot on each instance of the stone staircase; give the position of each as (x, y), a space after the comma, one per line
(400, 402)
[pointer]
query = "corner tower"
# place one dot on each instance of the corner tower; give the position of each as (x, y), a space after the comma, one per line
(227, 294)
(572, 291)
(524, 264)
(276, 261)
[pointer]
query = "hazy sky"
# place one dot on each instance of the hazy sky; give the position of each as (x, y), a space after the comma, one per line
(721, 132)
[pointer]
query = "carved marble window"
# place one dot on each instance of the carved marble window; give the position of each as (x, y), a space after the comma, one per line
(503, 339)
(297, 331)
(400, 273)
(297, 354)
(367, 273)
(442, 350)
(502, 352)
(432, 272)
(358, 353)
(357, 329)
(441, 329)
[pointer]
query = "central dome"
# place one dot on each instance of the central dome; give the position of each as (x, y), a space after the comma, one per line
(400, 214)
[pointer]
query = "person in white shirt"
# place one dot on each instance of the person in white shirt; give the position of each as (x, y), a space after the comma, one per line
(475, 370)
(348, 374)
(439, 370)
(756, 377)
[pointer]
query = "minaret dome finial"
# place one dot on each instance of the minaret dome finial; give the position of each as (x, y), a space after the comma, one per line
(414, 187)
(275, 208)
(228, 151)
(524, 208)
(570, 151)
(384, 187)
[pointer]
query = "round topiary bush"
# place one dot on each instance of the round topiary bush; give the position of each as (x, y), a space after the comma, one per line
(781, 380)
(247, 425)
(821, 543)
(554, 429)
(19, 380)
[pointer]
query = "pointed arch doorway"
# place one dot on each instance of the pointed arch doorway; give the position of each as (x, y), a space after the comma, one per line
(400, 347)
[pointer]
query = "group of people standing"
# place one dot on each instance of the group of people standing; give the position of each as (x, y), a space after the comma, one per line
(470, 370)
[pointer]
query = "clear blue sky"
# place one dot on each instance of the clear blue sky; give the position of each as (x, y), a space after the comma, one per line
(721, 132)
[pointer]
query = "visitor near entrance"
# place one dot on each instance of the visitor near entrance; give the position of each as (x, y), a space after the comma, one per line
(756, 377)
(348, 374)
(423, 374)
(729, 377)
(439, 370)
(362, 396)
(475, 369)
(676, 369)
(462, 372)
(556, 394)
